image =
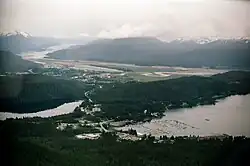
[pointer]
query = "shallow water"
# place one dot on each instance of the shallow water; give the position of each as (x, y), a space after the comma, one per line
(32, 55)
(229, 116)
(60, 110)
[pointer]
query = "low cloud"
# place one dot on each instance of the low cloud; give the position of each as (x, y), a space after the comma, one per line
(84, 35)
(193, 20)
(126, 30)
(166, 19)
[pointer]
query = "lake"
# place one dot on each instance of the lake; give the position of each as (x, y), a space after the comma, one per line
(229, 116)
(60, 110)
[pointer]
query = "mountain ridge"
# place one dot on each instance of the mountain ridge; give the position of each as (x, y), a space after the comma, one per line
(152, 51)
(13, 63)
(18, 42)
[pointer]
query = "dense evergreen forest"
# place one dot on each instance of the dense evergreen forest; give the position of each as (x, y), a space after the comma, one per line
(10, 62)
(37, 142)
(34, 92)
(130, 100)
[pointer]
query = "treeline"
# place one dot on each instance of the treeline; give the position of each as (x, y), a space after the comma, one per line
(10, 62)
(33, 92)
(37, 142)
(137, 101)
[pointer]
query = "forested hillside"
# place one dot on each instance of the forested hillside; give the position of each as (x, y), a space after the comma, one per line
(130, 100)
(13, 63)
(22, 42)
(32, 93)
(228, 53)
(30, 142)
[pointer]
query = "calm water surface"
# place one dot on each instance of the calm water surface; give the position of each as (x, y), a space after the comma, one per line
(60, 110)
(229, 116)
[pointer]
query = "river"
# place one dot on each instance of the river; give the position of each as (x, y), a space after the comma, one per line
(33, 55)
(229, 116)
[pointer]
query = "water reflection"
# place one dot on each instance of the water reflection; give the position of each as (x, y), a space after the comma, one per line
(60, 110)
(229, 116)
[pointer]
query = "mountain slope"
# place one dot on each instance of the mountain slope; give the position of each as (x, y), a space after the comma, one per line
(128, 101)
(32, 93)
(21, 42)
(18, 42)
(13, 63)
(151, 51)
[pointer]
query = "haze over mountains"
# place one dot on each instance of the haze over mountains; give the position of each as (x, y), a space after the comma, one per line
(18, 42)
(228, 53)
(202, 52)
(10, 62)
(185, 102)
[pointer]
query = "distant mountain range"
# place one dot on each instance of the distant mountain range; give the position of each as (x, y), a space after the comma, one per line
(18, 42)
(13, 63)
(228, 53)
(21, 42)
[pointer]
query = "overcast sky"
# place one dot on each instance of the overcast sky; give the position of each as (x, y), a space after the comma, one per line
(167, 19)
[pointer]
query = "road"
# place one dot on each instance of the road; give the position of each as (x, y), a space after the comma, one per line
(103, 128)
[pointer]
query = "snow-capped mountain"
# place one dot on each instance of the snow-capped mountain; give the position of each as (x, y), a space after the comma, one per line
(15, 33)
(232, 53)
(18, 42)
(206, 40)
